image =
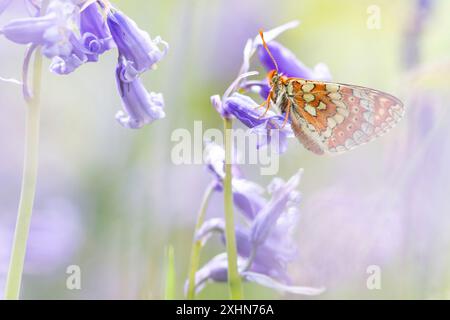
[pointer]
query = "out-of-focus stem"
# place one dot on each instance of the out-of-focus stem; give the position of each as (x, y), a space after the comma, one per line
(197, 244)
(14, 278)
(234, 280)
(29, 178)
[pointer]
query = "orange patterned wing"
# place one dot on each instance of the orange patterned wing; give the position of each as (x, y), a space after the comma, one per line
(332, 117)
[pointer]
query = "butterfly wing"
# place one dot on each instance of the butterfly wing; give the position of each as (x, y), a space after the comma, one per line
(332, 117)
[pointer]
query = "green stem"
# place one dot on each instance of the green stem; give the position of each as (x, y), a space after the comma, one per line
(170, 275)
(14, 277)
(234, 279)
(197, 245)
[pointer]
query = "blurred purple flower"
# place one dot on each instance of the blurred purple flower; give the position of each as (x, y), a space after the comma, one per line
(4, 5)
(414, 32)
(55, 236)
(140, 106)
(266, 247)
(52, 30)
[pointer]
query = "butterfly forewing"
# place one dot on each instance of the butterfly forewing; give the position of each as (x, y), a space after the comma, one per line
(333, 117)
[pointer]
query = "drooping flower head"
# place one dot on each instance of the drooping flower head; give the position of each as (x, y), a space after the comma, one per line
(74, 32)
(135, 45)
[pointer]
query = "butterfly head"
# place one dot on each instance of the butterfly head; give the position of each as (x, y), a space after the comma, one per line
(276, 79)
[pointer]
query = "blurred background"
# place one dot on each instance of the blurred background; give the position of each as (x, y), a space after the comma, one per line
(110, 199)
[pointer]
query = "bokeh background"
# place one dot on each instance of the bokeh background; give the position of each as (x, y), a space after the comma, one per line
(110, 199)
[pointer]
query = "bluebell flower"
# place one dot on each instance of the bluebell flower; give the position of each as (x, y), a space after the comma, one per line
(96, 37)
(265, 247)
(134, 44)
(74, 32)
(289, 64)
(140, 106)
(93, 40)
(270, 128)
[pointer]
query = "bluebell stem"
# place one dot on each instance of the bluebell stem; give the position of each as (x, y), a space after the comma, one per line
(71, 33)
(233, 105)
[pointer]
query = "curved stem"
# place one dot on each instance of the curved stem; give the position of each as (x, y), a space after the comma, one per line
(234, 279)
(14, 277)
(197, 245)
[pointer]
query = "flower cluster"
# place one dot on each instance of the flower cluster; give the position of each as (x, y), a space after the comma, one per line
(72, 33)
(234, 104)
(265, 245)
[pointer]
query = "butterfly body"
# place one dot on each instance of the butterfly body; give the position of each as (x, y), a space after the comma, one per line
(331, 117)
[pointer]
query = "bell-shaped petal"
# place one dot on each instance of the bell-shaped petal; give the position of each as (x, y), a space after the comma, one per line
(271, 128)
(289, 65)
(134, 44)
(140, 106)
(96, 37)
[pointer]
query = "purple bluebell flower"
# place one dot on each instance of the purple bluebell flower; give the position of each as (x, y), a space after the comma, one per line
(266, 247)
(289, 64)
(95, 35)
(270, 128)
(134, 44)
(72, 33)
(94, 39)
(140, 106)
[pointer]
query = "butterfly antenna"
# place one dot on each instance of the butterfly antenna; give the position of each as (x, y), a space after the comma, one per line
(261, 33)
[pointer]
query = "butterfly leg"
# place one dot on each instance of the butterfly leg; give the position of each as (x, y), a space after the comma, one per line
(267, 104)
(287, 113)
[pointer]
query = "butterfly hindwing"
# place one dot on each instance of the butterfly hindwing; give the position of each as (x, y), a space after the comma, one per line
(340, 117)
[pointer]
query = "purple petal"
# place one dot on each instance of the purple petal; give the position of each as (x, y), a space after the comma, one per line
(269, 215)
(140, 106)
(289, 65)
(96, 37)
(266, 281)
(135, 44)
(4, 4)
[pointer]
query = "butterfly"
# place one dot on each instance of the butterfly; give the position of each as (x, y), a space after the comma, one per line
(331, 117)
